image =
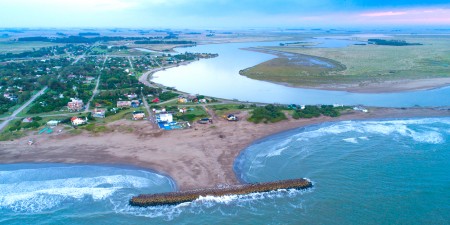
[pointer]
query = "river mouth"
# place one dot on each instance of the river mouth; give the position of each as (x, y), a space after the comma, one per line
(216, 77)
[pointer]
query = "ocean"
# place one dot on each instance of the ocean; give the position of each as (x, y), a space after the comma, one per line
(392, 171)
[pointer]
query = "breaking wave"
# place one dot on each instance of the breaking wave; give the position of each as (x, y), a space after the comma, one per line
(36, 193)
(417, 130)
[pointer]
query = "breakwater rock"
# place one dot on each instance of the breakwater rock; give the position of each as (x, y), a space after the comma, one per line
(172, 198)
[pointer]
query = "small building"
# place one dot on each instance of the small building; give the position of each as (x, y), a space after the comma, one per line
(75, 105)
(156, 100)
(135, 103)
(27, 120)
(203, 100)
(11, 97)
(164, 117)
(53, 123)
(182, 100)
(99, 113)
(123, 104)
(358, 108)
(138, 115)
(131, 96)
(76, 121)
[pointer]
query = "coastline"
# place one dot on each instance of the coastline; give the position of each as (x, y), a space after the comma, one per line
(201, 157)
(386, 86)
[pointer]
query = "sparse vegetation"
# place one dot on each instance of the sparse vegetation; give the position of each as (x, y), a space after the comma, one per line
(311, 111)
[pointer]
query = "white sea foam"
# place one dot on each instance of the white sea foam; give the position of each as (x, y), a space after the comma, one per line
(277, 152)
(351, 140)
(363, 138)
(36, 196)
(404, 128)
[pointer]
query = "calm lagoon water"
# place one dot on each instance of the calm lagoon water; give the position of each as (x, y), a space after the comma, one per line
(219, 77)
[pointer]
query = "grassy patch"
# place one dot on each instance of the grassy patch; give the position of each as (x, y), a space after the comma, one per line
(193, 113)
(225, 109)
(122, 114)
(363, 63)
(95, 128)
(18, 47)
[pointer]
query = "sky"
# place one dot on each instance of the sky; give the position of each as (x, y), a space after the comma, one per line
(216, 14)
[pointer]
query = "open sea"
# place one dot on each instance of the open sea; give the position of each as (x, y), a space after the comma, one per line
(364, 172)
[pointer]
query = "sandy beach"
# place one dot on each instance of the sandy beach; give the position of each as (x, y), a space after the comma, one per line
(200, 157)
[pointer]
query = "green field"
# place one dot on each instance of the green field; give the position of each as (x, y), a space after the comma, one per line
(18, 47)
(363, 63)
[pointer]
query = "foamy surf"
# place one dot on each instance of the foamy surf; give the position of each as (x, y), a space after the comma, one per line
(399, 127)
(32, 191)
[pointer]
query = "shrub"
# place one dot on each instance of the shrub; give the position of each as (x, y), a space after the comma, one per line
(268, 113)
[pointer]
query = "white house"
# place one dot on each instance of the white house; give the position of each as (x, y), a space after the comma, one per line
(166, 117)
(76, 121)
(53, 123)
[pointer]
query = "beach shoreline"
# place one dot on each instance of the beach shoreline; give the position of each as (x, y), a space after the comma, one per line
(200, 157)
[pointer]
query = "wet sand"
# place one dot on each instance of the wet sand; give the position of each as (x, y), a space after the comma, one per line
(200, 157)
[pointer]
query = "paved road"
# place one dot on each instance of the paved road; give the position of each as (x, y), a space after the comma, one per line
(13, 116)
(131, 64)
(95, 92)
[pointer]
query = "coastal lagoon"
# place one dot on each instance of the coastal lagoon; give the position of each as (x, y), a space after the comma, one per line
(380, 171)
(219, 77)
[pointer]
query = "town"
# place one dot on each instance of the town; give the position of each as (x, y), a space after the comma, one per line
(84, 83)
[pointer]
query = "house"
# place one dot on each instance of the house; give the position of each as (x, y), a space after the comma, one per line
(183, 110)
(358, 108)
(27, 120)
(131, 96)
(135, 103)
(11, 97)
(75, 105)
(76, 121)
(53, 123)
(123, 104)
(202, 100)
(99, 113)
(156, 100)
(138, 115)
(164, 117)
(182, 100)
(192, 98)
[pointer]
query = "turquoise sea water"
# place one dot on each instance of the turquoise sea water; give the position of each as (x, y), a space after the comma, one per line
(364, 172)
